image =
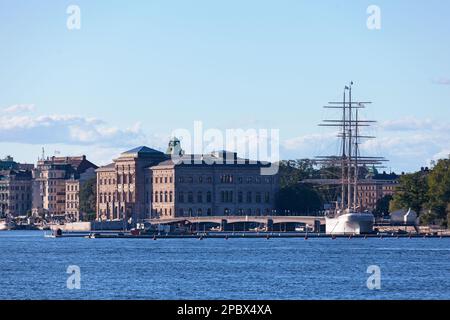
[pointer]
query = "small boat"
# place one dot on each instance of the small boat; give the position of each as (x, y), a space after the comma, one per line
(6, 224)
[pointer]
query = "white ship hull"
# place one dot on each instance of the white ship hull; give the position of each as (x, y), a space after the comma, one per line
(350, 223)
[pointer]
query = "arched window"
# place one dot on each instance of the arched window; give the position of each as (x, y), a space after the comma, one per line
(170, 196)
(166, 197)
(161, 196)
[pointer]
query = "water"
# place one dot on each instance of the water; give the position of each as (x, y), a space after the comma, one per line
(34, 267)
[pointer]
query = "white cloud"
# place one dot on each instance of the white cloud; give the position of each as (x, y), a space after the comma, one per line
(17, 108)
(408, 143)
(306, 141)
(442, 81)
(67, 129)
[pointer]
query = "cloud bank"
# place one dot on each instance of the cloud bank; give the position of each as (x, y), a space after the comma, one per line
(16, 127)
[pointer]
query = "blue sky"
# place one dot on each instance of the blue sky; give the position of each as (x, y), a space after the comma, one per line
(137, 70)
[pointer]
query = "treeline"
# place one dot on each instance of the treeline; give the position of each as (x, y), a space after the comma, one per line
(298, 197)
(427, 192)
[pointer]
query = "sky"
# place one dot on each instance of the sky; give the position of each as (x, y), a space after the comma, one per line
(138, 71)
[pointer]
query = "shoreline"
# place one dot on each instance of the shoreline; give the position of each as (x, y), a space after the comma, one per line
(226, 236)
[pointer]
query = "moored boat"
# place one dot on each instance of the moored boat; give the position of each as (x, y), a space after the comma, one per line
(348, 217)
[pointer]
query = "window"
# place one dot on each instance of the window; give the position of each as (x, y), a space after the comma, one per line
(190, 197)
(258, 197)
(199, 197)
(181, 196)
(208, 197)
(240, 197)
(170, 196)
(249, 197)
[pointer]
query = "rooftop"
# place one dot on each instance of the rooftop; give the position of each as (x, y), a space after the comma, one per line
(142, 150)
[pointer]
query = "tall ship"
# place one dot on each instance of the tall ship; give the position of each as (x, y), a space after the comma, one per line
(347, 217)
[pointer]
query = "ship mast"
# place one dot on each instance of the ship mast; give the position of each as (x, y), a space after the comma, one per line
(350, 160)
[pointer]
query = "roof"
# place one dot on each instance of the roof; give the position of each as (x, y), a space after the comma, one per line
(108, 167)
(79, 163)
(142, 150)
(16, 174)
(208, 159)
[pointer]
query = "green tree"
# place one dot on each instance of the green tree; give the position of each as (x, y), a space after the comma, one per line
(382, 206)
(292, 172)
(439, 189)
(448, 216)
(412, 192)
(88, 199)
(300, 198)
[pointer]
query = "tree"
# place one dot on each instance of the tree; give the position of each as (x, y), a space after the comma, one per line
(300, 198)
(293, 172)
(412, 192)
(448, 216)
(382, 206)
(88, 199)
(439, 189)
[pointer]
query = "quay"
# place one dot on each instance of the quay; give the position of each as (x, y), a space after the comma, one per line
(239, 235)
